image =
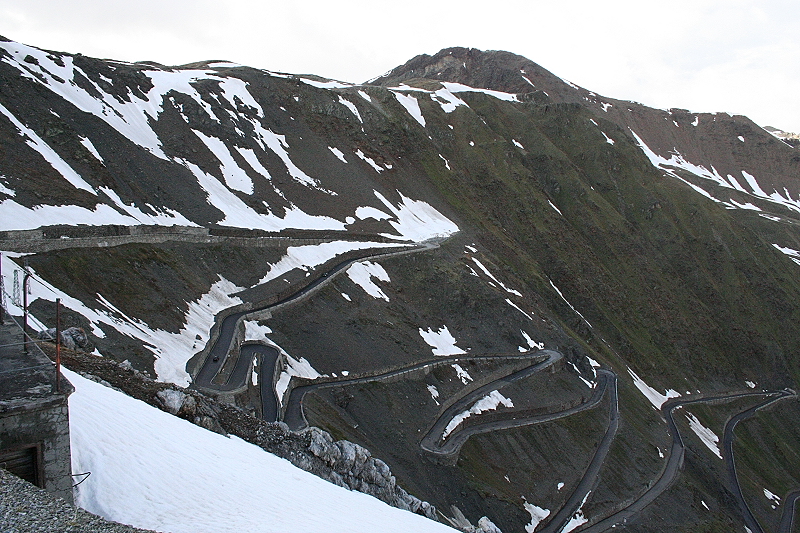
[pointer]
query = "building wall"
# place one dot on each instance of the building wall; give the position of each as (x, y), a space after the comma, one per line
(45, 426)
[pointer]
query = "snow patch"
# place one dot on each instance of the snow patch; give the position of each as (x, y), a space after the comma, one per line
(434, 393)
(537, 515)
(412, 106)
(47, 153)
(361, 274)
(709, 438)
(489, 402)
(442, 341)
(655, 397)
(338, 153)
(92, 150)
(123, 441)
(462, 374)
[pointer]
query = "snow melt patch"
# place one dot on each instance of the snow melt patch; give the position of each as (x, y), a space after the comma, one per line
(655, 397)
(709, 438)
(352, 107)
(416, 220)
(412, 106)
(361, 274)
(240, 215)
(537, 515)
(92, 150)
(793, 254)
(124, 441)
(442, 341)
(447, 100)
(462, 374)
(490, 402)
(532, 344)
(434, 393)
(493, 278)
(235, 178)
(460, 88)
(578, 519)
(313, 255)
(338, 153)
(369, 161)
(48, 154)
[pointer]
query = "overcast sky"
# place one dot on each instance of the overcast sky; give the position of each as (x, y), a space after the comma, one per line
(739, 56)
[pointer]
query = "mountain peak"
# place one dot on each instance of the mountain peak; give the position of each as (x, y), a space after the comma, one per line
(491, 69)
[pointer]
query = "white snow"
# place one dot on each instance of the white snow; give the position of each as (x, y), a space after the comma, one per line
(361, 274)
(655, 397)
(517, 144)
(462, 374)
(740, 138)
(704, 504)
(253, 331)
(369, 161)
(338, 153)
(156, 471)
(447, 100)
(709, 438)
(577, 519)
(347, 297)
(47, 153)
(609, 140)
(537, 515)
(532, 343)
(312, 255)
(774, 499)
(560, 485)
(434, 393)
(569, 304)
(486, 271)
(518, 308)
(460, 88)
(793, 254)
(416, 220)
(239, 214)
(171, 350)
(330, 84)
(235, 178)
(365, 212)
(605, 106)
(364, 95)
(446, 162)
(92, 150)
(554, 207)
(441, 341)
(750, 384)
(412, 106)
(696, 121)
(352, 107)
(677, 161)
(6, 190)
(489, 402)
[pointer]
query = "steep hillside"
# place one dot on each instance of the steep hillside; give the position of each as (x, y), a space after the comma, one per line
(488, 276)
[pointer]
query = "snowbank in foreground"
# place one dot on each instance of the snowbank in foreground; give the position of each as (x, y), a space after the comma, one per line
(156, 471)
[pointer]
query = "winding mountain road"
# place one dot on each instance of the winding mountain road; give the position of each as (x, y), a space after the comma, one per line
(222, 349)
(675, 460)
(295, 416)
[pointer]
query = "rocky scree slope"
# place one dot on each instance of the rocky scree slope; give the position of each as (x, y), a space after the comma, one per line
(661, 243)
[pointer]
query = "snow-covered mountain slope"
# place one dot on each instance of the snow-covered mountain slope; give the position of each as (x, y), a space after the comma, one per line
(661, 245)
(152, 470)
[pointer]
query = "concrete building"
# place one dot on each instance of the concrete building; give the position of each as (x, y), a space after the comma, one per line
(34, 415)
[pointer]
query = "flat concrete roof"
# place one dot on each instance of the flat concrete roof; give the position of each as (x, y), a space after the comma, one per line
(27, 381)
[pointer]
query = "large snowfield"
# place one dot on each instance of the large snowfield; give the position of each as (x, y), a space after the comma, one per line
(156, 471)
